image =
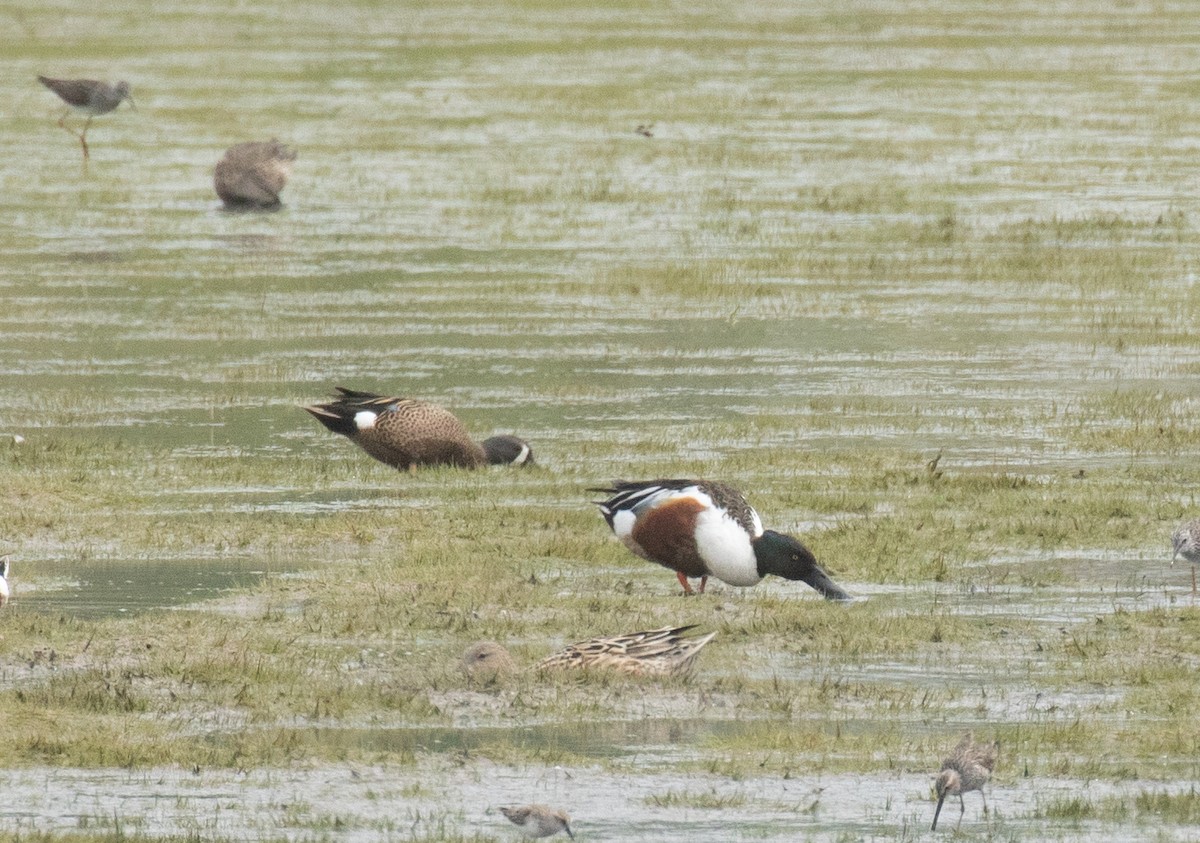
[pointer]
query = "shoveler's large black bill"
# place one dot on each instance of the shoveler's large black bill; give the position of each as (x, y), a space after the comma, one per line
(828, 589)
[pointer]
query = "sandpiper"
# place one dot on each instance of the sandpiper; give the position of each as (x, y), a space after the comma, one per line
(252, 174)
(968, 767)
(539, 820)
(87, 96)
(1186, 540)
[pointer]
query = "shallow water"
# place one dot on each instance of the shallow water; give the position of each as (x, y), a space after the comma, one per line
(364, 803)
(119, 586)
(473, 220)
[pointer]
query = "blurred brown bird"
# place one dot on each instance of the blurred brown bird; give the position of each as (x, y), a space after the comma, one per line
(253, 174)
(656, 652)
(1186, 541)
(539, 820)
(968, 767)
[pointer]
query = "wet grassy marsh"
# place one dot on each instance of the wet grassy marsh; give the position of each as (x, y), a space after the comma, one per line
(919, 278)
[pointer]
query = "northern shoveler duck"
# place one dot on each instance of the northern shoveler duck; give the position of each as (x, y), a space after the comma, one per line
(968, 767)
(252, 174)
(539, 820)
(656, 652)
(405, 432)
(4, 592)
(1186, 540)
(699, 528)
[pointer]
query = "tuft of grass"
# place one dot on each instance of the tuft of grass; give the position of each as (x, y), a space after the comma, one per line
(690, 799)
(1070, 808)
(1182, 808)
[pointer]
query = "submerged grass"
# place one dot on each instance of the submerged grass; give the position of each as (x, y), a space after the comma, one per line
(373, 634)
(931, 310)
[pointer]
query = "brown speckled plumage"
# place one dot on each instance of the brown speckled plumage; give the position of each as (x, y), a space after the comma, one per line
(252, 174)
(656, 652)
(486, 662)
(539, 820)
(968, 767)
(406, 432)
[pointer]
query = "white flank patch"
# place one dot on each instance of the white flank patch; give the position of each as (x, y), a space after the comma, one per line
(365, 419)
(623, 521)
(521, 457)
(725, 548)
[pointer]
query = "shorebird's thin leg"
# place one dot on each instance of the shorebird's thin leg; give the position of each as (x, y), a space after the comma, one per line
(83, 136)
(703, 582)
(962, 809)
(62, 124)
(984, 798)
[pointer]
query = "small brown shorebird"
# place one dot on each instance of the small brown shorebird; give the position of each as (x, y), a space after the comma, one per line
(656, 652)
(539, 820)
(1186, 540)
(968, 767)
(252, 174)
(89, 97)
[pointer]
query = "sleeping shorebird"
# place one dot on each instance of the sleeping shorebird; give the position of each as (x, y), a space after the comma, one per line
(90, 97)
(657, 652)
(968, 767)
(251, 175)
(699, 528)
(539, 820)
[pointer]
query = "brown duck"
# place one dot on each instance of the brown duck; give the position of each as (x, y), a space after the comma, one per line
(406, 433)
(656, 652)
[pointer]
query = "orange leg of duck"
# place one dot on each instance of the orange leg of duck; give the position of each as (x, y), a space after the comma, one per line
(687, 586)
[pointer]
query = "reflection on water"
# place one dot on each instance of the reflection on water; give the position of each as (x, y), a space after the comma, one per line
(593, 739)
(93, 589)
